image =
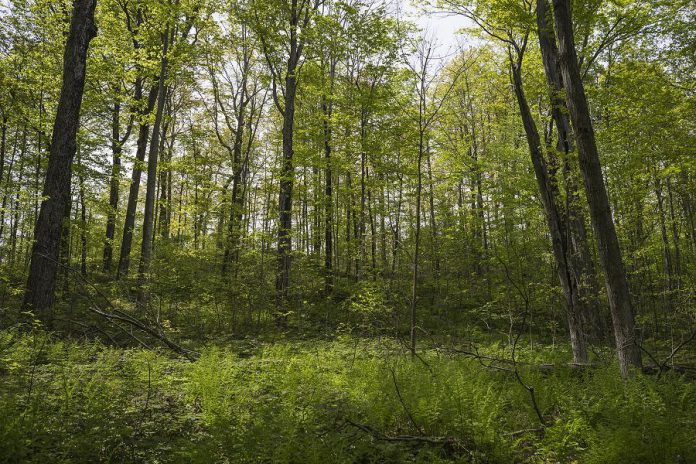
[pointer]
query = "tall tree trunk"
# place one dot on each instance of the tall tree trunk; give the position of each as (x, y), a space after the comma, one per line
(14, 221)
(41, 282)
(6, 192)
(397, 222)
(554, 219)
(416, 251)
(349, 209)
(113, 186)
(83, 218)
(327, 107)
(316, 209)
(237, 204)
(602, 222)
(129, 221)
(666, 249)
(3, 143)
(163, 221)
(433, 222)
(675, 235)
(361, 262)
(287, 176)
(148, 219)
(115, 180)
(578, 248)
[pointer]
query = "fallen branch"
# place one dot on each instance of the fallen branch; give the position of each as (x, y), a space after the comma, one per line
(116, 315)
(403, 403)
(451, 442)
(481, 357)
(517, 433)
(663, 365)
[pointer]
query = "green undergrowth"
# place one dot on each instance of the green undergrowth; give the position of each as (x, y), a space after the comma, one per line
(342, 401)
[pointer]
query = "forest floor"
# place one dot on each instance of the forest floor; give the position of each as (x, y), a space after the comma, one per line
(334, 401)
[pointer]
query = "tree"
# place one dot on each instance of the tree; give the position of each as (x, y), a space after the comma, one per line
(284, 55)
(513, 31)
(148, 220)
(584, 282)
(47, 232)
(600, 211)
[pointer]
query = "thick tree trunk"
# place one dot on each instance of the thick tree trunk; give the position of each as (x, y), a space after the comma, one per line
(557, 228)
(56, 192)
(607, 242)
(579, 255)
(287, 175)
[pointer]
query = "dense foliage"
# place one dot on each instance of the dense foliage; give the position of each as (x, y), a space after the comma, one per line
(306, 231)
(304, 401)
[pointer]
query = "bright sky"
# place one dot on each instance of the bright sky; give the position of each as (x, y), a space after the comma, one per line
(441, 27)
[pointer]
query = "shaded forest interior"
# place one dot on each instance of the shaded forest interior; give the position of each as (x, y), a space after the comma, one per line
(310, 231)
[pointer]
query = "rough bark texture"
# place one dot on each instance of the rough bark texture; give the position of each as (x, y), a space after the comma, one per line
(56, 192)
(554, 220)
(579, 256)
(597, 198)
(285, 196)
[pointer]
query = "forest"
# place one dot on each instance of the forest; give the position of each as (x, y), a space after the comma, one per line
(331, 231)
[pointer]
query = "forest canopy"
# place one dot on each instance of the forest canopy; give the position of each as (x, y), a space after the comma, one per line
(315, 231)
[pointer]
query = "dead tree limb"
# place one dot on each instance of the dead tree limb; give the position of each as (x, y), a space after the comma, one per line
(451, 442)
(116, 315)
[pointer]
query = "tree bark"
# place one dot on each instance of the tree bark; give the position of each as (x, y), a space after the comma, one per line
(554, 220)
(600, 211)
(129, 221)
(579, 255)
(148, 219)
(41, 282)
(3, 143)
(327, 107)
(113, 185)
(287, 175)
(83, 218)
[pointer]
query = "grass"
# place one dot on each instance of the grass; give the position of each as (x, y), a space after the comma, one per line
(340, 401)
